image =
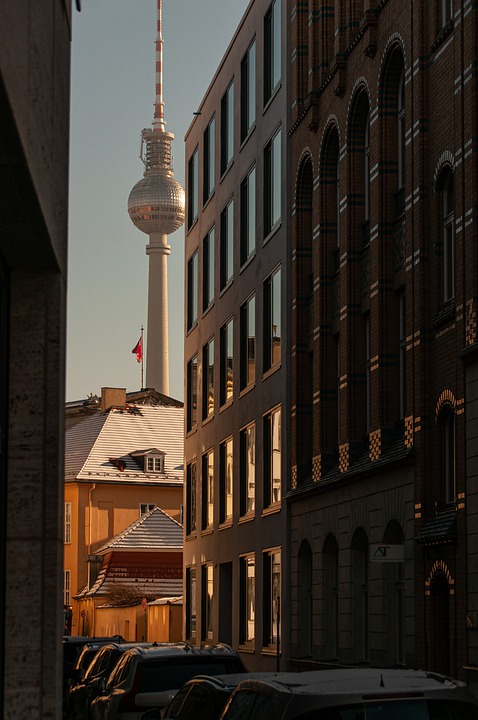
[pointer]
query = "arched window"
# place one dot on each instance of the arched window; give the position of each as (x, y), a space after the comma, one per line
(305, 600)
(446, 425)
(360, 583)
(331, 597)
(394, 598)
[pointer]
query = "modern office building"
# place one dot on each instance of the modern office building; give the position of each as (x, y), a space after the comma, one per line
(384, 281)
(34, 132)
(236, 347)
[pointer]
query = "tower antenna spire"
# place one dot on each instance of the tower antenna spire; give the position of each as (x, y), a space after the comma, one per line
(156, 206)
(158, 121)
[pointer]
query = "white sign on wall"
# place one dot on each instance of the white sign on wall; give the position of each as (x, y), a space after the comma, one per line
(383, 552)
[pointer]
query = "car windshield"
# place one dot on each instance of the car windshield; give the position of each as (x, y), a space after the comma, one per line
(397, 710)
(167, 675)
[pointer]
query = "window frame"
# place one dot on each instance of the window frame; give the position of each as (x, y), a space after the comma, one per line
(272, 50)
(191, 497)
(209, 165)
(272, 319)
(146, 508)
(207, 601)
(192, 393)
(191, 602)
(208, 379)
(208, 265)
(67, 523)
(207, 490)
(193, 290)
(248, 227)
(247, 600)
(273, 183)
(248, 342)
(227, 243)
(226, 480)
(247, 480)
(248, 91)
(226, 381)
(227, 128)
(272, 560)
(193, 187)
(272, 491)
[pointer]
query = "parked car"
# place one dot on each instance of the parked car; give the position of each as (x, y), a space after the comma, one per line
(85, 684)
(73, 647)
(348, 694)
(148, 678)
(202, 698)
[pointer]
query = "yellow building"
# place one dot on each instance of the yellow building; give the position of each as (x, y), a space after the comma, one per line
(120, 462)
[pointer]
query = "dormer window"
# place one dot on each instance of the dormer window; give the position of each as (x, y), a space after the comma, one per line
(150, 460)
(155, 463)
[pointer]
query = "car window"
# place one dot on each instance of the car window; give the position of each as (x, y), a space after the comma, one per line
(120, 671)
(171, 673)
(177, 702)
(249, 704)
(201, 704)
(97, 663)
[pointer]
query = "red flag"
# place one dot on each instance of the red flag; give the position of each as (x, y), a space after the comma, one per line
(138, 350)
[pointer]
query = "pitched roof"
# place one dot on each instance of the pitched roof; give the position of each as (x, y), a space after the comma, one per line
(126, 564)
(90, 444)
(155, 530)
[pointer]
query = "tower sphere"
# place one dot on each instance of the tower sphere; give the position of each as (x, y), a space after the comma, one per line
(156, 204)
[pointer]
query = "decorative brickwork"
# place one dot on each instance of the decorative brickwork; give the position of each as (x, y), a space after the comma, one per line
(375, 445)
(439, 566)
(408, 438)
(316, 468)
(470, 329)
(293, 478)
(446, 397)
(344, 457)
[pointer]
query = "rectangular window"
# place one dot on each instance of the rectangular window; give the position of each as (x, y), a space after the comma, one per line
(209, 160)
(248, 215)
(66, 587)
(208, 489)
(227, 243)
(272, 320)
(248, 91)
(272, 50)
(191, 603)
(272, 596)
(208, 269)
(227, 376)
(154, 464)
(193, 188)
(272, 183)
(227, 128)
(248, 342)
(192, 393)
(272, 458)
(248, 599)
(146, 508)
(67, 524)
(192, 290)
(207, 593)
(208, 379)
(191, 495)
(225, 481)
(247, 470)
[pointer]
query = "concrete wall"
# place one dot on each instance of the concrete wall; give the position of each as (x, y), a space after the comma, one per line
(34, 127)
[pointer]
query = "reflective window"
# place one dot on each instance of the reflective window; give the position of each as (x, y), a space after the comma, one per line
(227, 128)
(192, 290)
(248, 342)
(193, 188)
(208, 378)
(248, 215)
(227, 362)
(272, 49)
(272, 183)
(248, 599)
(227, 243)
(191, 494)
(248, 91)
(209, 160)
(208, 489)
(192, 379)
(225, 480)
(272, 320)
(208, 268)
(247, 469)
(272, 458)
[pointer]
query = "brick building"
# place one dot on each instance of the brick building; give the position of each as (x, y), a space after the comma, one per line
(236, 342)
(383, 289)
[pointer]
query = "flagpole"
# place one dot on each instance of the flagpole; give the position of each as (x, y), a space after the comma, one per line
(142, 361)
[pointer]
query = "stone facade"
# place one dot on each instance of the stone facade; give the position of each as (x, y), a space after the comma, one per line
(34, 122)
(383, 290)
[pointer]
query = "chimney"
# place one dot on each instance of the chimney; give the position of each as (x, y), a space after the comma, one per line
(112, 397)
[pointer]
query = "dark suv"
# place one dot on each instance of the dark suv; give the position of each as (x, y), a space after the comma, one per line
(88, 682)
(148, 678)
(353, 694)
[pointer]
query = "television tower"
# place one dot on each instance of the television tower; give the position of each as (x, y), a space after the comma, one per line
(156, 206)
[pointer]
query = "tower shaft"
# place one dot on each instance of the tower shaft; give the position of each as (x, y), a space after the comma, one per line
(157, 360)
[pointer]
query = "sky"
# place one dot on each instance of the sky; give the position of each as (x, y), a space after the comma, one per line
(112, 95)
